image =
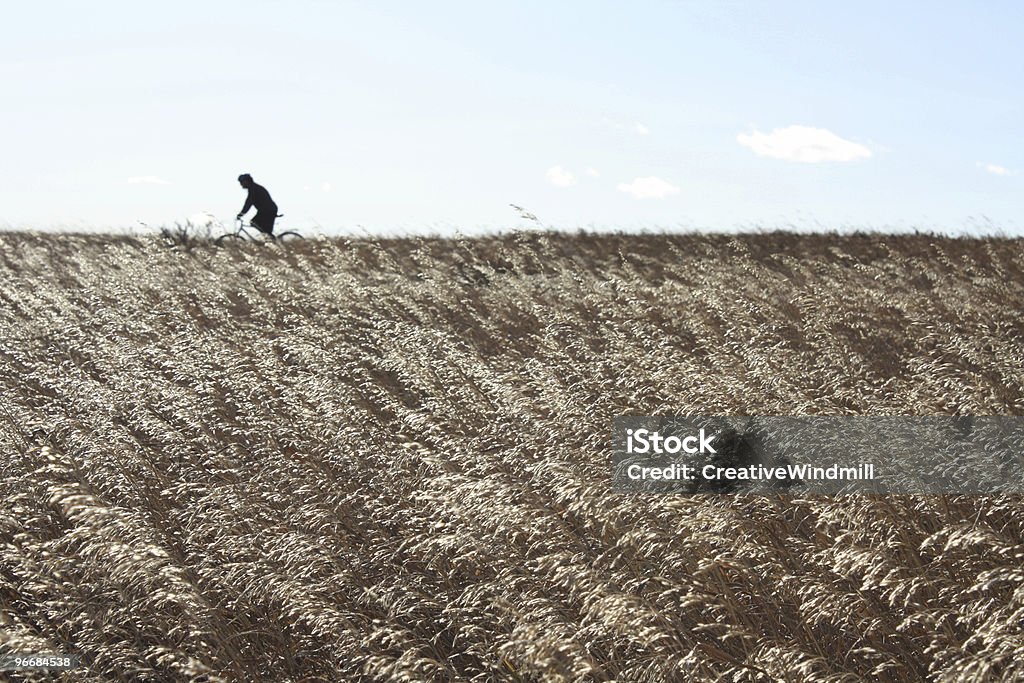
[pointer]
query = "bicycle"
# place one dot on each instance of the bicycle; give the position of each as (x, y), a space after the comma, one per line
(241, 234)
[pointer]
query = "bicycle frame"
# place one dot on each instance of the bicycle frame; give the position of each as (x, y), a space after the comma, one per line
(242, 228)
(242, 232)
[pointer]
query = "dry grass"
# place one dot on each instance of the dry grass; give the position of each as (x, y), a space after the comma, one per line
(376, 461)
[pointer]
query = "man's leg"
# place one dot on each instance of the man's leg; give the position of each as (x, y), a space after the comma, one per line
(264, 223)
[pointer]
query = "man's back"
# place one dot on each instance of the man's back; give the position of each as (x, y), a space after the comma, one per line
(260, 198)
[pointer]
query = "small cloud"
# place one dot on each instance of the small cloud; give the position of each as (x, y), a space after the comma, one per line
(326, 187)
(996, 169)
(146, 180)
(202, 219)
(560, 177)
(649, 188)
(592, 172)
(803, 144)
(635, 127)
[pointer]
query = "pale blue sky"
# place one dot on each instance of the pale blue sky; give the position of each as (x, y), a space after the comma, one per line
(434, 115)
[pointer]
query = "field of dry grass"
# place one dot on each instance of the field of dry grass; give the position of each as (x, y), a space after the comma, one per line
(389, 460)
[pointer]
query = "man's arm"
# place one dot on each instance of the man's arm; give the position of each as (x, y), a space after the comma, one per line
(248, 204)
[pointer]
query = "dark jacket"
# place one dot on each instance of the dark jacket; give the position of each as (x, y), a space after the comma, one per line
(260, 198)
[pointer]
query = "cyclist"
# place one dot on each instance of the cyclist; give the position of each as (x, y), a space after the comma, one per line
(266, 209)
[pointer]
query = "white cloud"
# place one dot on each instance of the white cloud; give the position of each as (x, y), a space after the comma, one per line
(635, 127)
(560, 177)
(146, 180)
(202, 219)
(996, 169)
(592, 172)
(803, 144)
(649, 188)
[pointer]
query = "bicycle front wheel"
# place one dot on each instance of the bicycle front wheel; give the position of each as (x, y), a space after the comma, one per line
(230, 238)
(288, 236)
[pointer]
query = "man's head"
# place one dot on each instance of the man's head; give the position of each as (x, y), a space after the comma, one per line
(245, 180)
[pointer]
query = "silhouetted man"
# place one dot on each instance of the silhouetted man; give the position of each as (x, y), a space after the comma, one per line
(266, 209)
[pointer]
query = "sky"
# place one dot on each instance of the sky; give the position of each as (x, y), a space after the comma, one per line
(406, 116)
